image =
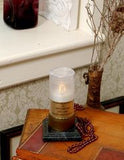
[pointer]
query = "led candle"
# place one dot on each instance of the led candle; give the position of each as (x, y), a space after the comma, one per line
(61, 91)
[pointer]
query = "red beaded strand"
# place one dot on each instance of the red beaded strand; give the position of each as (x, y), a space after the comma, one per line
(78, 107)
(86, 130)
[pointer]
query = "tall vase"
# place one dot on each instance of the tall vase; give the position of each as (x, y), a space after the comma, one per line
(93, 96)
(21, 14)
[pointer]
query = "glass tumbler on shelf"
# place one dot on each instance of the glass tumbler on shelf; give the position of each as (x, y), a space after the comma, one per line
(21, 14)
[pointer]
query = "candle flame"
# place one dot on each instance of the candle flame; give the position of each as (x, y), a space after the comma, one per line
(62, 89)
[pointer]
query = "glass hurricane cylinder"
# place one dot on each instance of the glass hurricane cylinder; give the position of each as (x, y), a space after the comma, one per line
(21, 14)
(61, 91)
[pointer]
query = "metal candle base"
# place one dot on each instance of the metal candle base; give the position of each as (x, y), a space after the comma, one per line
(61, 124)
(61, 116)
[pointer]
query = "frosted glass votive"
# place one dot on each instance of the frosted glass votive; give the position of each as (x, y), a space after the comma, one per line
(61, 93)
(61, 84)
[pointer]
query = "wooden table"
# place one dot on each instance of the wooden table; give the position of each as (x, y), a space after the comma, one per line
(108, 126)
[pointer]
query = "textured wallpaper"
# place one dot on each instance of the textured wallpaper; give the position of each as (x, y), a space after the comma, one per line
(15, 101)
(1, 4)
(113, 76)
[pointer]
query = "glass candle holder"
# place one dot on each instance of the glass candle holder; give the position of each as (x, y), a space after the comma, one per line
(61, 91)
(21, 14)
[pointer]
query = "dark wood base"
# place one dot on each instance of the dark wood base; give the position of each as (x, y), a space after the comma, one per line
(118, 101)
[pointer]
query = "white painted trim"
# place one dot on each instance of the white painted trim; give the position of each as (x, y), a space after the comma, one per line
(26, 55)
(45, 39)
(40, 67)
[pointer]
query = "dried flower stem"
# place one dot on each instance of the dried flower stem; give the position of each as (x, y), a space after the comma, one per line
(113, 46)
(111, 23)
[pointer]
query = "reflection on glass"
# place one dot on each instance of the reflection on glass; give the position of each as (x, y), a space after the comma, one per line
(21, 14)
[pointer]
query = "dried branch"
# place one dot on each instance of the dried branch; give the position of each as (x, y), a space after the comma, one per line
(111, 23)
(111, 50)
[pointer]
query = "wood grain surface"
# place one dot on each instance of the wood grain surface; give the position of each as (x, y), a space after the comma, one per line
(109, 127)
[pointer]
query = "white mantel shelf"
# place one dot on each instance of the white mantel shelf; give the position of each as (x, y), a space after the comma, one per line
(30, 54)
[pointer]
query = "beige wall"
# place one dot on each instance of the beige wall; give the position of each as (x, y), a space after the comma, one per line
(15, 101)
